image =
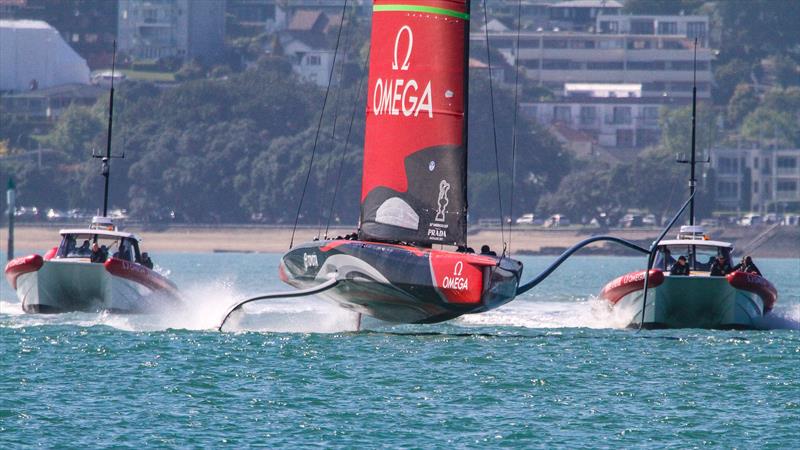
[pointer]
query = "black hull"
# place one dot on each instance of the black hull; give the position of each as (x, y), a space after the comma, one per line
(403, 284)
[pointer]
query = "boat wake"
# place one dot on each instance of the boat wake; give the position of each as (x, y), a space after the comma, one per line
(209, 302)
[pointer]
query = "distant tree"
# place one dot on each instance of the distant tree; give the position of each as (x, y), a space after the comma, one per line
(727, 77)
(78, 131)
(766, 124)
(676, 130)
(743, 101)
(752, 29)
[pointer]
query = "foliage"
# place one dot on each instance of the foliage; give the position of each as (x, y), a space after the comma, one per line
(744, 101)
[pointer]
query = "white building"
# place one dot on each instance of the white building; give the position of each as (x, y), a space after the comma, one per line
(152, 29)
(757, 179)
(34, 55)
(655, 51)
(617, 116)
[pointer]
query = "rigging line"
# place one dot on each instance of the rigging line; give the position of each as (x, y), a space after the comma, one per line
(347, 142)
(494, 127)
(337, 103)
(514, 126)
(319, 126)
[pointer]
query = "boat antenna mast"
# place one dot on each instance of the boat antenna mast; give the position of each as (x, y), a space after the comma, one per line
(107, 157)
(693, 159)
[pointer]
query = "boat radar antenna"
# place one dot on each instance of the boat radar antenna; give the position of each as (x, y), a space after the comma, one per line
(107, 157)
(693, 160)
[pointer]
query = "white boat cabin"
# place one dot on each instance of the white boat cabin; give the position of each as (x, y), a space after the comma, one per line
(78, 243)
(694, 244)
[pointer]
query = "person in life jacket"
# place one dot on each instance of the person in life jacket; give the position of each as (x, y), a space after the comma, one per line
(680, 267)
(747, 266)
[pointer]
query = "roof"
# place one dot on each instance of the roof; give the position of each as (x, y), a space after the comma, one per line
(25, 24)
(477, 64)
(305, 20)
(116, 234)
(698, 242)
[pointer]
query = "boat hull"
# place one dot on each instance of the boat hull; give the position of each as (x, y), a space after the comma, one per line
(692, 302)
(403, 284)
(59, 286)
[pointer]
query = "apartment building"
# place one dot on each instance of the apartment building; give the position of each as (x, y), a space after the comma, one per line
(152, 29)
(622, 49)
(615, 115)
(757, 179)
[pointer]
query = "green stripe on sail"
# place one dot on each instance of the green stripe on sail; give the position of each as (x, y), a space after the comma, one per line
(422, 9)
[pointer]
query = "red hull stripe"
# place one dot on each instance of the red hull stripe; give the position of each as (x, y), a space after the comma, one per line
(22, 265)
(758, 285)
(630, 282)
(139, 274)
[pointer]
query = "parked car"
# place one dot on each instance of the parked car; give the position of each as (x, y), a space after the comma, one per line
(525, 219)
(26, 212)
(631, 221)
(750, 220)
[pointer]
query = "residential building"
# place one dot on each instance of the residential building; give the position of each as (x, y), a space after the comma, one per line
(46, 105)
(622, 51)
(304, 42)
(757, 179)
(617, 116)
(580, 15)
(33, 55)
(152, 29)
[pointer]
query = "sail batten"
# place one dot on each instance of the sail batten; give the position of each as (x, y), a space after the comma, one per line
(415, 153)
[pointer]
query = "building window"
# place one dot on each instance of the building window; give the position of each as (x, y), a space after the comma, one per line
(530, 63)
(609, 44)
(605, 65)
(642, 27)
(755, 187)
(580, 43)
(786, 162)
(668, 28)
(624, 138)
(555, 43)
(696, 30)
(313, 60)
(786, 186)
(622, 115)
(609, 26)
(562, 114)
(646, 65)
(557, 64)
(640, 44)
(728, 189)
(588, 115)
(728, 166)
(650, 113)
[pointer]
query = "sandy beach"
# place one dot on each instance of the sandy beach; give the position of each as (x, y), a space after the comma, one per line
(783, 242)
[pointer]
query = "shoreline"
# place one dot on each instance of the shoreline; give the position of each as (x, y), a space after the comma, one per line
(782, 242)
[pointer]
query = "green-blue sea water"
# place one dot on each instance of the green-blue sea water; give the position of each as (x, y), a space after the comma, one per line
(554, 368)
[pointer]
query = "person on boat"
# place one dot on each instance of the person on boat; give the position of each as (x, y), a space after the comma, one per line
(680, 267)
(122, 252)
(747, 266)
(146, 261)
(85, 248)
(96, 254)
(485, 250)
(721, 267)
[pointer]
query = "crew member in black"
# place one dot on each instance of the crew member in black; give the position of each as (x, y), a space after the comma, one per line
(747, 266)
(97, 254)
(680, 267)
(485, 250)
(721, 267)
(146, 261)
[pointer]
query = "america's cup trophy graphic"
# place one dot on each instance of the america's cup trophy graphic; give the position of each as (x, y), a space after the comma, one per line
(444, 186)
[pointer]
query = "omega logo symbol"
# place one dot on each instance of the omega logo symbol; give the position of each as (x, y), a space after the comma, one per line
(404, 30)
(458, 269)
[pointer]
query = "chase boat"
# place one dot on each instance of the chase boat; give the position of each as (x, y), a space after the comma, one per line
(65, 279)
(737, 300)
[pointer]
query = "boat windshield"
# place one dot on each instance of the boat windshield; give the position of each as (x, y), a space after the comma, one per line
(80, 246)
(699, 257)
